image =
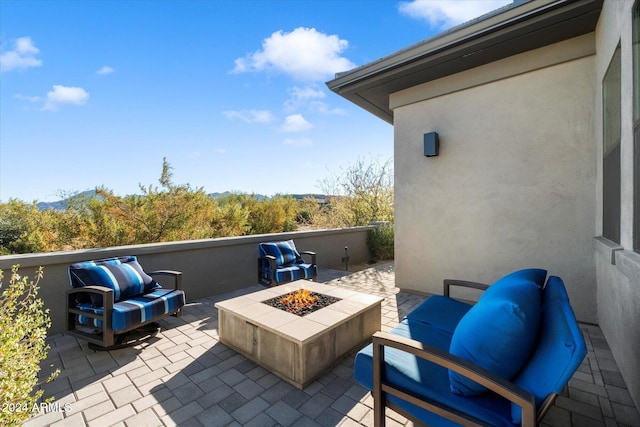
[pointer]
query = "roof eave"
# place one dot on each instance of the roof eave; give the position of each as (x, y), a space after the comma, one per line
(512, 30)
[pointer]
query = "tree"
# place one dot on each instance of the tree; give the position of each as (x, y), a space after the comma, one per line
(361, 194)
(230, 217)
(171, 212)
(276, 215)
(14, 227)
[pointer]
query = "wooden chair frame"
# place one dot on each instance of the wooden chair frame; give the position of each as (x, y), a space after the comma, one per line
(494, 383)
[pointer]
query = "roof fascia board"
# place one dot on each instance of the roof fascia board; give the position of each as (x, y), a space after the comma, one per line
(444, 41)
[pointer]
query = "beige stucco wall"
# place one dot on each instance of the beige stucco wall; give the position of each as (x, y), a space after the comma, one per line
(513, 186)
(617, 265)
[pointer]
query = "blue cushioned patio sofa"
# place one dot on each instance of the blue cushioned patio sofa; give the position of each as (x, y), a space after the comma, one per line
(500, 362)
(113, 296)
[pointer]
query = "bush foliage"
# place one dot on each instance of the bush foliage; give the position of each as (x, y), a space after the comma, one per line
(23, 329)
(361, 194)
(171, 212)
(380, 242)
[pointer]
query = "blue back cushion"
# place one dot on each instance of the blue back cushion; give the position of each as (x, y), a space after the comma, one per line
(285, 252)
(122, 274)
(498, 333)
(559, 352)
(535, 275)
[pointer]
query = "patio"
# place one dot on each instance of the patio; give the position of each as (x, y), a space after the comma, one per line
(185, 377)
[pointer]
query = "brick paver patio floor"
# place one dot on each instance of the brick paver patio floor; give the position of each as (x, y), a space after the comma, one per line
(185, 377)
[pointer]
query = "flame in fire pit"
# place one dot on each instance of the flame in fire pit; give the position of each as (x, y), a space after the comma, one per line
(301, 302)
(298, 300)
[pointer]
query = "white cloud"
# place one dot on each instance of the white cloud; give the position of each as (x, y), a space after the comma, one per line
(323, 108)
(22, 56)
(443, 14)
(296, 123)
(32, 99)
(302, 96)
(298, 142)
(61, 95)
(309, 98)
(251, 116)
(105, 70)
(304, 54)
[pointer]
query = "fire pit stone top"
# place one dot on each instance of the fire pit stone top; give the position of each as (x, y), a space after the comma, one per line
(253, 310)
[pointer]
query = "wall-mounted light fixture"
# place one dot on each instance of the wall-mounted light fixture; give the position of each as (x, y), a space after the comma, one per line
(431, 144)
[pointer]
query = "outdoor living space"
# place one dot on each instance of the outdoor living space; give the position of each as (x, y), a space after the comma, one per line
(184, 376)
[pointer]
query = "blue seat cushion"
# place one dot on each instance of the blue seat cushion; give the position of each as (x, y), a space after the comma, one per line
(285, 252)
(499, 332)
(428, 380)
(440, 312)
(122, 274)
(136, 310)
(294, 272)
(559, 351)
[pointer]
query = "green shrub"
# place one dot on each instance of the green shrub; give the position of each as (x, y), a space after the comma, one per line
(380, 242)
(23, 329)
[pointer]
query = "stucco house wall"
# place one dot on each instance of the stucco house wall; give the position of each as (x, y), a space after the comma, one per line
(617, 265)
(513, 185)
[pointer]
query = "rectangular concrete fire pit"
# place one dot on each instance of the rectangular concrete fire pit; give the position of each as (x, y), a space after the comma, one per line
(298, 349)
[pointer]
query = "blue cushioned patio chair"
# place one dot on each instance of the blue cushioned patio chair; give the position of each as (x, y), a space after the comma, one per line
(499, 362)
(113, 296)
(280, 262)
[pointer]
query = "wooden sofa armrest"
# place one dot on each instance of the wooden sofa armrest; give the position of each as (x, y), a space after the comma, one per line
(177, 277)
(310, 253)
(497, 384)
(464, 283)
(107, 295)
(272, 260)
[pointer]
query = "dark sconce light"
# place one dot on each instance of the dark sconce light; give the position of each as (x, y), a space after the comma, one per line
(431, 144)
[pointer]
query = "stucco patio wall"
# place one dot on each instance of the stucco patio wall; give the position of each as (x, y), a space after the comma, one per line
(209, 267)
(513, 185)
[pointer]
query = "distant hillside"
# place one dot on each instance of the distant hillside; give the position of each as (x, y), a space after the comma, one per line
(319, 197)
(61, 205)
(260, 197)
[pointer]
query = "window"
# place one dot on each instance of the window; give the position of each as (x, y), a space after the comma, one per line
(611, 90)
(636, 126)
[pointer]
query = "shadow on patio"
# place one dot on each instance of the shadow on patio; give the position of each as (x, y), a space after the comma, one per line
(185, 377)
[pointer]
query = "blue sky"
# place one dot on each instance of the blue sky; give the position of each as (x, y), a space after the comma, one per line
(232, 93)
